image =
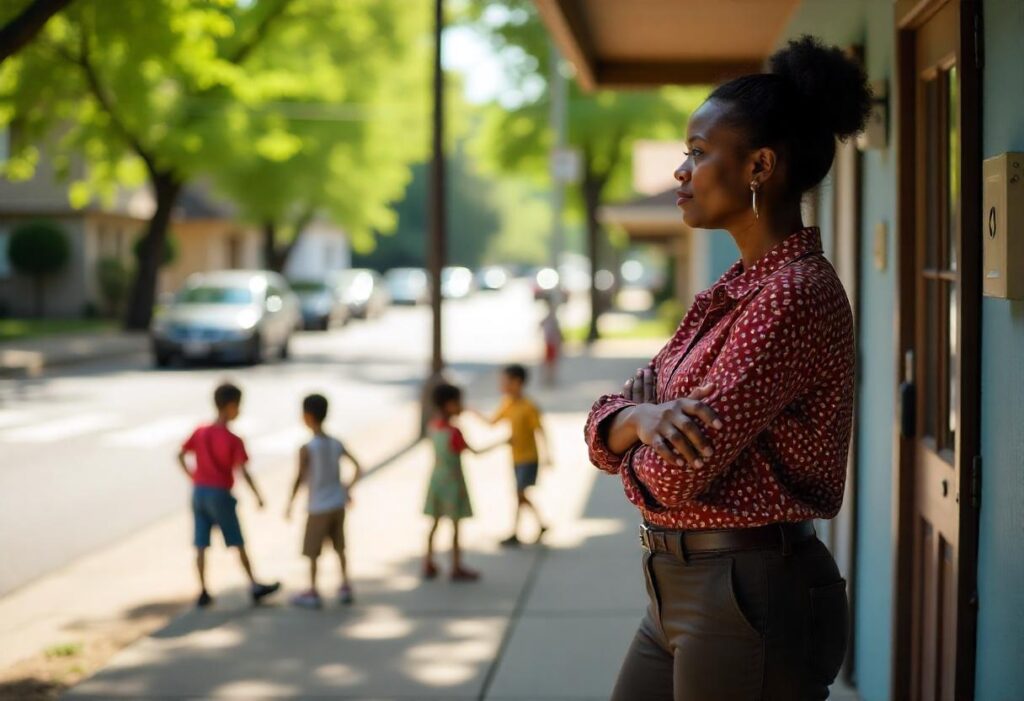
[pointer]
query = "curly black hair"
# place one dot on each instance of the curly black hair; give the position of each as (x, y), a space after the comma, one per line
(812, 95)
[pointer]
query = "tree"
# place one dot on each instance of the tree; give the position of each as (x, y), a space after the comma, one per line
(39, 249)
(473, 219)
(150, 92)
(22, 27)
(603, 125)
(340, 143)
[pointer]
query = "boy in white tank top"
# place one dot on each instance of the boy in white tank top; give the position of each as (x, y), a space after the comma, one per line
(320, 470)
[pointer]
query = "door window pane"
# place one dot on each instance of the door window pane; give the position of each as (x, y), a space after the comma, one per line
(953, 166)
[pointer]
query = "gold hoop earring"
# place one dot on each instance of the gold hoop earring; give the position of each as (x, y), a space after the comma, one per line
(753, 199)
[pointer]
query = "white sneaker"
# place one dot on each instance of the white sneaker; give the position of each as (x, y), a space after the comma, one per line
(307, 600)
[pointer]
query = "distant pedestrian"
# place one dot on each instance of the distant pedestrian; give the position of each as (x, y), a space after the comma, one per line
(447, 496)
(525, 421)
(217, 454)
(553, 338)
(320, 470)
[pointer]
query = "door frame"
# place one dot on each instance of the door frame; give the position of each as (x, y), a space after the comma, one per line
(910, 15)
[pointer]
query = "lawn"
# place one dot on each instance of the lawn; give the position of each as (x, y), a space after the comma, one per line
(20, 329)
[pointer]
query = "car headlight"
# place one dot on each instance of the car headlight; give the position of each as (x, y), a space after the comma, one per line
(247, 320)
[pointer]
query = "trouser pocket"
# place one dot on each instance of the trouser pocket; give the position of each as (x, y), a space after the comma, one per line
(829, 630)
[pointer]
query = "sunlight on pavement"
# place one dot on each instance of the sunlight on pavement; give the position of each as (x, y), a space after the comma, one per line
(379, 623)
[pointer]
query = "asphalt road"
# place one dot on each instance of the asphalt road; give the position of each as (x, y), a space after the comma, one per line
(87, 454)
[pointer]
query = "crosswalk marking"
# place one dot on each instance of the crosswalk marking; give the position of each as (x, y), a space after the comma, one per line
(160, 432)
(60, 429)
(14, 417)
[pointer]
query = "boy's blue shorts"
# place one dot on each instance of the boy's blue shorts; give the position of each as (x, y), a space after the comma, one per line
(526, 475)
(213, 506)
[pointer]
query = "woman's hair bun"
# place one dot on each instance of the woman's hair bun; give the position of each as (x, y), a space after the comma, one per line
(828, 83)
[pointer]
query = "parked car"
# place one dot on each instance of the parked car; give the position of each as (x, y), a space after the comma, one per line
(408, 285)
(321, 304)
(492, 277)
(240, 315)
(363, 292)
(456, 282)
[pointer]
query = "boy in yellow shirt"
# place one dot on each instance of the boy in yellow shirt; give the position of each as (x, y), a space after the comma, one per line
(524, 419)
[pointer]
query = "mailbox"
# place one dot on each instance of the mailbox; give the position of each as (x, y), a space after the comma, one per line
(1002, 226)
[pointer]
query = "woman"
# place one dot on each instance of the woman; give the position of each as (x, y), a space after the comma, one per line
(736, 435)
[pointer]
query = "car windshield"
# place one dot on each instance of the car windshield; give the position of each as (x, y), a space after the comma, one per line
(215, 295)
(308, 286)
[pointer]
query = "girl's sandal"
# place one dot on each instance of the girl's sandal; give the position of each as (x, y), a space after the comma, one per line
(429, 570)
(465, 575)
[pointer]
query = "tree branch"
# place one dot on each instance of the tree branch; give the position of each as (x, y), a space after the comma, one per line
(258, 33)
(93, 80)
(20, 31)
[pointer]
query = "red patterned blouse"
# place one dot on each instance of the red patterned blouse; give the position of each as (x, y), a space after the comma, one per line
(777, 342)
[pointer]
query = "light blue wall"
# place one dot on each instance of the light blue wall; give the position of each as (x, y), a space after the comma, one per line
(869, 23)
(1000, 666)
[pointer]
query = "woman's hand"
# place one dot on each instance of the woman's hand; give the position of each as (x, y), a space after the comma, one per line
(642, 387)
(673, 429)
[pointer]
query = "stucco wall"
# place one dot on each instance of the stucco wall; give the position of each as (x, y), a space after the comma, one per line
(869, 24)
(1000, 670)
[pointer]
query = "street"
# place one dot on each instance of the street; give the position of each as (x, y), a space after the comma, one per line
(89, 452)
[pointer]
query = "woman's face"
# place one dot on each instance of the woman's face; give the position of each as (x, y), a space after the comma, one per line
(714, 180)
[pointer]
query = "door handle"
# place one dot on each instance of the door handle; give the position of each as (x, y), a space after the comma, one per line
(908, 397)
(908, 415)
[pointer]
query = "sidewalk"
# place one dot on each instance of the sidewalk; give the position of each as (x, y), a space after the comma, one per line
(544, 623)
(71, 348)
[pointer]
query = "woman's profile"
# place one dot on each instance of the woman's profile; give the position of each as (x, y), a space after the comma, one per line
(735, 436)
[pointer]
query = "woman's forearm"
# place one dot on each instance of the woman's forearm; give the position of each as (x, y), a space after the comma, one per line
(622, 433)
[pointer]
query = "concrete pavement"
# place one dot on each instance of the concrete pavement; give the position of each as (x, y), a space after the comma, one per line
(515, 635)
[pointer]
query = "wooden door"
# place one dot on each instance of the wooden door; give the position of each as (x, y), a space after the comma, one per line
(940, 303)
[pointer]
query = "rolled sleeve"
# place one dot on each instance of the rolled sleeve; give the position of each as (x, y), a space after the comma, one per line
(596, 430)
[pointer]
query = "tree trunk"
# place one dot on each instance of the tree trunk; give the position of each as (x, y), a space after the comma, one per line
(38, 286)
(270, 245)
(166, 188)
(592, 187)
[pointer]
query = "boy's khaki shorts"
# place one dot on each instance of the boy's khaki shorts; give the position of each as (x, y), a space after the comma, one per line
(320, 527)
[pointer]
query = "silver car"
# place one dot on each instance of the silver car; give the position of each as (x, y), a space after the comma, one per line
(231, 315)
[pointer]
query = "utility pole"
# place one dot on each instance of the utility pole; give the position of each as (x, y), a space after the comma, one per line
(558, 87)
(436, 239)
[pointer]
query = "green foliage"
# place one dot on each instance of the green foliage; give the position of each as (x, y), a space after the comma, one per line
(39, 248)
(114, 278)
(473, 220)
(602, 125)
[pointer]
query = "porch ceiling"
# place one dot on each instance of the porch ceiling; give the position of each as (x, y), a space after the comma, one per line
(643, 43)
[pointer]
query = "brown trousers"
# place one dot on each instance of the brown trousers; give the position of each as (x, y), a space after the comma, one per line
(738, 626)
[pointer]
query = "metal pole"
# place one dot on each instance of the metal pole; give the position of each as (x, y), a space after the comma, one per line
(436, 240)
(436, 226)
(558, 86)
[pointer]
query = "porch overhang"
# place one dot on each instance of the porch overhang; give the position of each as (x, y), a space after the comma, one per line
(646, 43)
(653, 219)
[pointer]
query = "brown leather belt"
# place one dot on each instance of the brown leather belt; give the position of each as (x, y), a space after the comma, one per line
(685, 543)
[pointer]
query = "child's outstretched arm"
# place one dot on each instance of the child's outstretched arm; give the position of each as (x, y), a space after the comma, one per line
(184, 464)
(244, 469)
(300, 477)
(487, 449)
(544, 446)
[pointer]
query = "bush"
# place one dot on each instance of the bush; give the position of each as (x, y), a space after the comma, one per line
(114, 278)
(39, 249)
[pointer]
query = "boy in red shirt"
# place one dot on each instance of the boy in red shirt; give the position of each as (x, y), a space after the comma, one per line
(217, 454)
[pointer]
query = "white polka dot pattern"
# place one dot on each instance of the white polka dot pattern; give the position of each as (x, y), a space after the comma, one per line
(777, 342)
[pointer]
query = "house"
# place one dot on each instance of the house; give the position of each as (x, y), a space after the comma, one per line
(206, 231)
(321, 249)
(930, 538)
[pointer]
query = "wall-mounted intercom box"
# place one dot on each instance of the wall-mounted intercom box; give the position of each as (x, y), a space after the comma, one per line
(1003, 226)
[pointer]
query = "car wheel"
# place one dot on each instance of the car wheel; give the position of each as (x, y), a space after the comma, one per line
(256, 350)
(284, 352)
(162, 360)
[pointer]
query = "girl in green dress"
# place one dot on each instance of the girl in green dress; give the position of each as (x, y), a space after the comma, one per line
(447, 495)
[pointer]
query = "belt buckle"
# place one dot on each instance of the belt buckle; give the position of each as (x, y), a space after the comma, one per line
(644, 540)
